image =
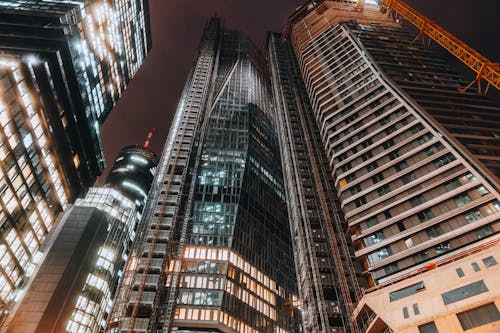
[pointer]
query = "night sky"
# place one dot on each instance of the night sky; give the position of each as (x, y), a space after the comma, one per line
(152, 96)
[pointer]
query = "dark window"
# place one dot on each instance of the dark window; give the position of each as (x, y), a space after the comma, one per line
(479, 316)
(388, 144)
(425, 215)
(360, 201)
(391, 268)
(405, 312)
(401, 165)
(383, 190)
(416, 310)
(489, 261)
(401, 226)
(464, 292)
(407, 291)
(372, 166)
(460, 272)
(387, 214)
(408, 178)
(428, 328)
(356, 189)
(366, 156)
(434, 231)
(443, 248)
(417, 200)
(394, 154)
(475, 267)
(372, 221)
(378, 177)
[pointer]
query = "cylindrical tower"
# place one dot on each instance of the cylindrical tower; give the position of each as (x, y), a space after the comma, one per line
(132, 173)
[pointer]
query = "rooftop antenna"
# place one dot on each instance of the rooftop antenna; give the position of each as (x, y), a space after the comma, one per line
(148, 139)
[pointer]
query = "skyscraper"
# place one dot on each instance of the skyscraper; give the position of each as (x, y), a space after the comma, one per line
(75, 287)
(328, 279)
(63, 66)
(414, 164)
(215, 252)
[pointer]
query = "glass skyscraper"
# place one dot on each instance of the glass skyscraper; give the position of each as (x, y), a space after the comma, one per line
(215, 254)
(414, 164)
(63, 66)
(75, 287)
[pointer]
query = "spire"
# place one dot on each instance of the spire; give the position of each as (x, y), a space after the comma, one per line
(148, 139)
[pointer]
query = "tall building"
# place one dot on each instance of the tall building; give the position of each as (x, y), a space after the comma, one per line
(414, 164)
(132, 173)
(215, 253)
(329, 280)
(75, 287)
(63, 66)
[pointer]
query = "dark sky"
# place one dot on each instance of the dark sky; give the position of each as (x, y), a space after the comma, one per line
(152, 96)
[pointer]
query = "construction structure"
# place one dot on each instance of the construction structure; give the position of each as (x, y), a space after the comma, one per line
(214, 253)
(414, 159)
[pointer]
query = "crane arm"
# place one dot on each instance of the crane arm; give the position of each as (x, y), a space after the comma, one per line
(483, 68)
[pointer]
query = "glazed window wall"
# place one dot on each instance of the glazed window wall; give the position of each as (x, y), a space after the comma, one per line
(32, 189)
(391, 167)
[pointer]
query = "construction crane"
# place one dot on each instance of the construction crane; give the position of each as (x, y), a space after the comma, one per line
(484, 68)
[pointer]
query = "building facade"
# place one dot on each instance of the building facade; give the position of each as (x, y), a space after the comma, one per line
(63, 66)
(328, 278)
(99, 228)
(414, 164)
(215, 253)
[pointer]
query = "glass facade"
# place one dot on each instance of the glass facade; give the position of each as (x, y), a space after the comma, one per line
(63, 66)
(216, 253)
(96, 298)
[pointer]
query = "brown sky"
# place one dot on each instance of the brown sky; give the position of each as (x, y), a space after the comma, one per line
(152, 96)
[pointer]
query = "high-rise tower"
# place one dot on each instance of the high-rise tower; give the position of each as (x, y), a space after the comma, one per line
(63, 66)
(215, 252)
(75, 287)
(414, 164)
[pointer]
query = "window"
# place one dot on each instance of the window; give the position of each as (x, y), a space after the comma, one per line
(443, 160)
(387, 214)
(460, 272)
(391, 268)
(366, 156)
(383, 190)
(372, 166)
(489, 261)
(434, 231)
(416, 310)
(473, 215)
(443, 248)
(388, 144)
(417, 200)
(394, 154)
(428, 328)
(360, 201)
(464, 292)
(484, 232)
(374, 238)
(372, 221)
(380, 254)
(356, 189)
(405, 312)
(479, 316)
(462, 199)
(407, 291)
(378, 177)
(401, 165)
(475, 267)
(401, 226)
(346, 167)
(425, 215)
(451, 185)
(408, 178)
(420, 257)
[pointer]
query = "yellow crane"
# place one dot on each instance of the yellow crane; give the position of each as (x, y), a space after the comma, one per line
(484, 68)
